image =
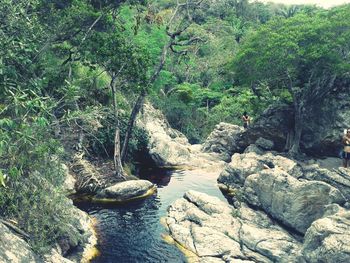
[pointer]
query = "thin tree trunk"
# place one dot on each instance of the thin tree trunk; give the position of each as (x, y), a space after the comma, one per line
(118, 167)
(138, 105)
(119, 172)
(131, 123)
(298, 128)
(289, 140)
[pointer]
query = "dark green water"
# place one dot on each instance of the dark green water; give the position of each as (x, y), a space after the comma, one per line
(132, 232)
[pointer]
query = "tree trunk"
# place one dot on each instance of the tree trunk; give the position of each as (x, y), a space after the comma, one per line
(119, 172)
(289, 140)
(298, 128)
(118, 167)
(131, 123)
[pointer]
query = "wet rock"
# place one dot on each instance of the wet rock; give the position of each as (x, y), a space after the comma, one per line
(125, 191)
(297, 204)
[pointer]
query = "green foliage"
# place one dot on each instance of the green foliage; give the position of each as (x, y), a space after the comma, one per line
(101, 140)
(58, 58)
(296, 51)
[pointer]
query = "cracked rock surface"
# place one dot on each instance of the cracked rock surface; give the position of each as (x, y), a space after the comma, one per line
(217, 232)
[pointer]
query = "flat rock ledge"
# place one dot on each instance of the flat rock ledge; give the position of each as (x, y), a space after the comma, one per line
(216, 232)
(125, 191)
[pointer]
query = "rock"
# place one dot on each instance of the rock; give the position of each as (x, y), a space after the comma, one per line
(332, 115)
(254, 149)
(243, 165)
(216, 232)
(264, 144)
(55, 257)
(221, 140)
(166, 146)
(328, 239)
(15, 249)
(274, 124)
(339, 178)
(69, 182)
(125, 191)
(326, 122)
(297, 204)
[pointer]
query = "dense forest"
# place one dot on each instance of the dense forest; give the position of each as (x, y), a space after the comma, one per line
(74, 75)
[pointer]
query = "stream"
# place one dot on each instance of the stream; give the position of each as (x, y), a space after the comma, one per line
(132, 232)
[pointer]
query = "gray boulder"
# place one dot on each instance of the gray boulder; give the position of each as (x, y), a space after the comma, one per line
(166, 146)
(211, 228)
(264, 144)
(322, 132)
(339, 178)
(243, 165)
(325, 124)
(125, 191)
(328, 239)
(296, 203)
(222, 140)
(274, 124)
(15, 249)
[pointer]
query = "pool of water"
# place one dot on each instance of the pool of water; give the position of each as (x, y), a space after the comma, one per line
(132, 232)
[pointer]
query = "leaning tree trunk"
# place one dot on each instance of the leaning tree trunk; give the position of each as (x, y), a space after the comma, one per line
(298, 128)
(118, 167)
(131, 123)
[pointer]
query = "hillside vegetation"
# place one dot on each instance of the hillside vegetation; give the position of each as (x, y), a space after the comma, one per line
(75, 73)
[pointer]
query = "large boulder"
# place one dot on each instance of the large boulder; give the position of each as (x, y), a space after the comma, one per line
(274, 124)
(166, 146)
(222, 140)
(328, 239)
(337, 177)
(125, 191)
(325, 124)
(212, 229)
(322, 132)
(15, 249)
(296, 203)
(243, 165)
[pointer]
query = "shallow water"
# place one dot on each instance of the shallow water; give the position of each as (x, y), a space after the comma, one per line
(132, 232)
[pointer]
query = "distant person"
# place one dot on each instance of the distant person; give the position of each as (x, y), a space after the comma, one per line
(246, 120)
(346, 150)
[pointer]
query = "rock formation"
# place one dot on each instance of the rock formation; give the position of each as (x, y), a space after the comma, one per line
(168, 147)
(222, 140)
(283, 211)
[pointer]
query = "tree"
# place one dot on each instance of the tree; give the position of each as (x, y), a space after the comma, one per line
(179, 22)
(307, 55)
(126, 64)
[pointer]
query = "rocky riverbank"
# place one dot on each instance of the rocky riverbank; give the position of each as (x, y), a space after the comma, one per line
(283, 211)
